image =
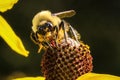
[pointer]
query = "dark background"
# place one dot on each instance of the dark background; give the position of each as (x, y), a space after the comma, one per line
(98, 22)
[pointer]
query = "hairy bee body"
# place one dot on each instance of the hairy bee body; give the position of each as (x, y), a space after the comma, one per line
(48, 27)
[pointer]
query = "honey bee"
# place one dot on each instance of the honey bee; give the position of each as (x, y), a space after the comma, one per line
(47, 26)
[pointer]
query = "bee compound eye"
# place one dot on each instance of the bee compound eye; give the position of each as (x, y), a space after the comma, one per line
(41, 30)
(49, 26)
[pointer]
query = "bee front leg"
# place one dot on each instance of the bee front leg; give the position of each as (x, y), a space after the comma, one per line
(34, 37)
(46, 44)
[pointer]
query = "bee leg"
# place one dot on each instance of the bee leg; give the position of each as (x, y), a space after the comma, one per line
(40, 48)
(34, 37)
(64, 30)
(73, 32)
(56, 36)
(47, 44)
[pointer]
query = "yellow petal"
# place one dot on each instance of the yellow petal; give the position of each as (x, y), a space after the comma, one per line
(6, 4)
(30, 78)
(11, 38)
(95, 76)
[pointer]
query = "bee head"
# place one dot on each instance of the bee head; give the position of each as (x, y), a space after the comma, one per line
(44, 21)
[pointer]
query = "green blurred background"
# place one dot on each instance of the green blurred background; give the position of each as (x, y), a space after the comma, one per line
(98, 22)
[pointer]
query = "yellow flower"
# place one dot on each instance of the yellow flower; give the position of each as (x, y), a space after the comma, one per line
(6, 4)
(95, 76)
(87, 76)
(7, 33)
(31, 78)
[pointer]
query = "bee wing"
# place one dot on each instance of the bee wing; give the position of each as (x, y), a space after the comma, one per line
(74, 33)
(71, 32)
(77, 34)
(65, 14)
